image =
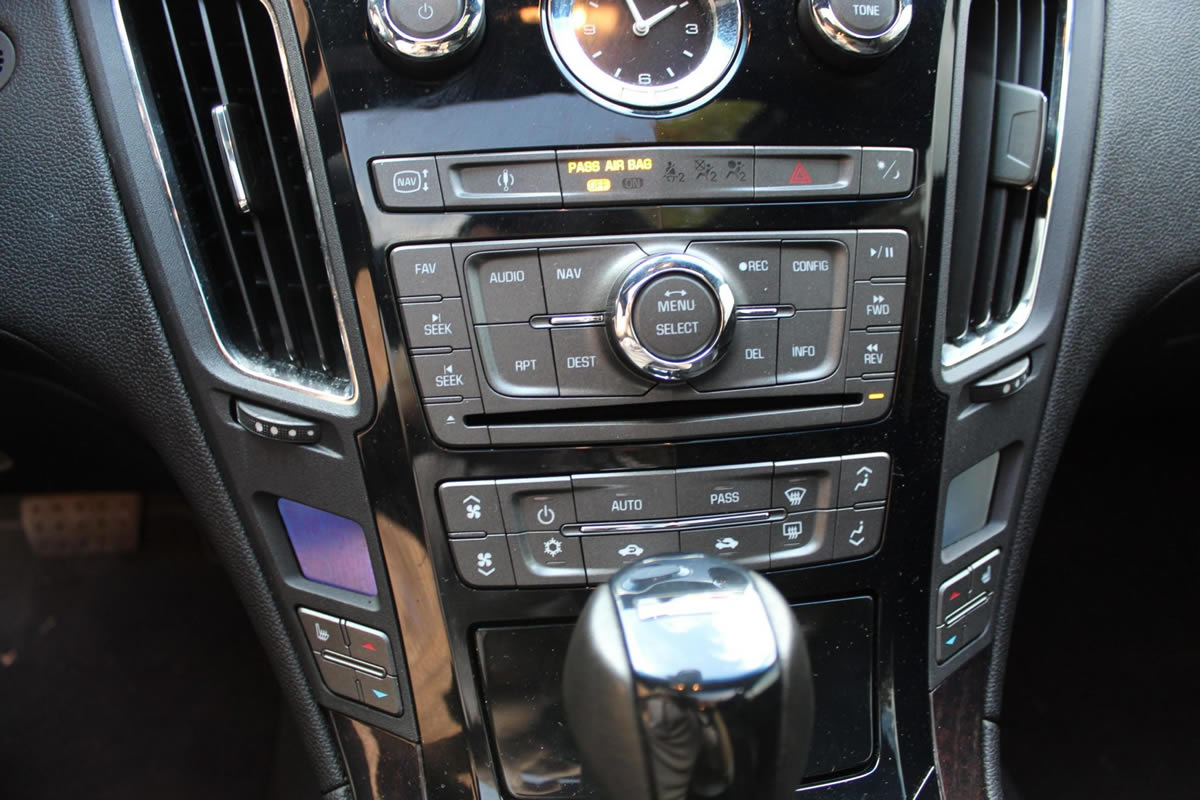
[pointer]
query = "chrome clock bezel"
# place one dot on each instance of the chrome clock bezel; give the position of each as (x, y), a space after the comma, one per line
(714, 71)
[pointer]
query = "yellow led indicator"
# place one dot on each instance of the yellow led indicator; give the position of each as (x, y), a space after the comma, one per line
(876, 396)
(599, 185)
(591, 165)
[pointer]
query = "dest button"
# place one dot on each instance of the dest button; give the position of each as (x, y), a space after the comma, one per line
(586, 366)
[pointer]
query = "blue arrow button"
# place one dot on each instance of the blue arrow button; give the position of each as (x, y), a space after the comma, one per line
(379, 693)
(950, 642)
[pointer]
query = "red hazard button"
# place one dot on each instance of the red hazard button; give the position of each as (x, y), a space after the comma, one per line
(806, 172)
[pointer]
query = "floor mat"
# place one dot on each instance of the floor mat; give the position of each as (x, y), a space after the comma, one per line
(131, 676)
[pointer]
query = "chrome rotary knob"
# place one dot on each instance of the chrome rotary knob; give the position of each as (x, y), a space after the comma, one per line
(672, 316)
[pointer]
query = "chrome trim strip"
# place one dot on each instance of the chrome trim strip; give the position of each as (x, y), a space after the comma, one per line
(253, 368)
(686, 523)
(838, 34)
(233, 170)
(565, 320)
(975, 343)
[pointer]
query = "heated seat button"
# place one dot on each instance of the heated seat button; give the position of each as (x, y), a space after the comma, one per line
(471, 507)
(518, 360)
(806, 485)
(953, 595)
(500, 179)
(810, 345)
(323, 631)
(424, 270)
(587, 367)
(985, 574)
(441, 324)
(814, 274)
(505, 286)
(721, 490)
(547, 559)
(752, 268)
(748, 545)
(381, 693)
(446, 375)
(536, 504)
(749, 361)
(604, 555)
(608, 496)
(803, 538)
(370, 645)
(876, 305)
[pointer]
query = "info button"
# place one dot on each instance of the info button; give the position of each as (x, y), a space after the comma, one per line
(500, 179)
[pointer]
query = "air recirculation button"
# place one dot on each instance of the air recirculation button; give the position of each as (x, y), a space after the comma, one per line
(672, 316)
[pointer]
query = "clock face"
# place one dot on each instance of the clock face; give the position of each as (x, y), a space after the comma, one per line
(646, 54)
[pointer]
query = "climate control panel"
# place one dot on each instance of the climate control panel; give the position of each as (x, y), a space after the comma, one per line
(572, 530)
(603, 339)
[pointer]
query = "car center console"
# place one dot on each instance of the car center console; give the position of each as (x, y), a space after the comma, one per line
(615, 281)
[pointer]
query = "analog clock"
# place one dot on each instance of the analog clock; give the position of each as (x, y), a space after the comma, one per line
(658, 56)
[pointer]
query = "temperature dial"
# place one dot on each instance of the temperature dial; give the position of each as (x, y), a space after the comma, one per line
(672, 316)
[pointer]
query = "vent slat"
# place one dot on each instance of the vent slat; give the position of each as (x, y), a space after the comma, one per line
(287, 194)
(1006, 49)
(224, 119)
(213, 187)
(974, 157)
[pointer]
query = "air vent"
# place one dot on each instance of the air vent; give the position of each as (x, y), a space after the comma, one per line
(216, 90)
(1002, 189)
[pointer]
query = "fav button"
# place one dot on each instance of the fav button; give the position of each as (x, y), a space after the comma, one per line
(424, 270)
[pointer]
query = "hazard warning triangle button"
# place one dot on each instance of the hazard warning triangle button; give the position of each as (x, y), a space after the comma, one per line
(807, 172)
(800, 174)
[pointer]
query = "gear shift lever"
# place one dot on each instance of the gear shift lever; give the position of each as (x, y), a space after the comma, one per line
(688, 677)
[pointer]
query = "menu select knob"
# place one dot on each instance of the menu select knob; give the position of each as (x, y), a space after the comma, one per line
(672, 316)
(426, 31)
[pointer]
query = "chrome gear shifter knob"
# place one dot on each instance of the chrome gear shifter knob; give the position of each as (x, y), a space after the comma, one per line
(688, 677)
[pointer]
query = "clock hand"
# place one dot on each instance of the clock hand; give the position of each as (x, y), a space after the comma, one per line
(659, 17)
(637, 15)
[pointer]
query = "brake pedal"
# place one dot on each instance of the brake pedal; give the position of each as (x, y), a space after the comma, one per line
(82, 524)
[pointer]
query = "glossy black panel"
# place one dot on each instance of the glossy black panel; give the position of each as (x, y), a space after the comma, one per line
(521, 676)
(512, 97)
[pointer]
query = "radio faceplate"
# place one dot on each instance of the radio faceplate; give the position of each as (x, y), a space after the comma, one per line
(512, 342)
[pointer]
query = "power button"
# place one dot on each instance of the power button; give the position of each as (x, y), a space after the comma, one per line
(424, 17)
(537, 504)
